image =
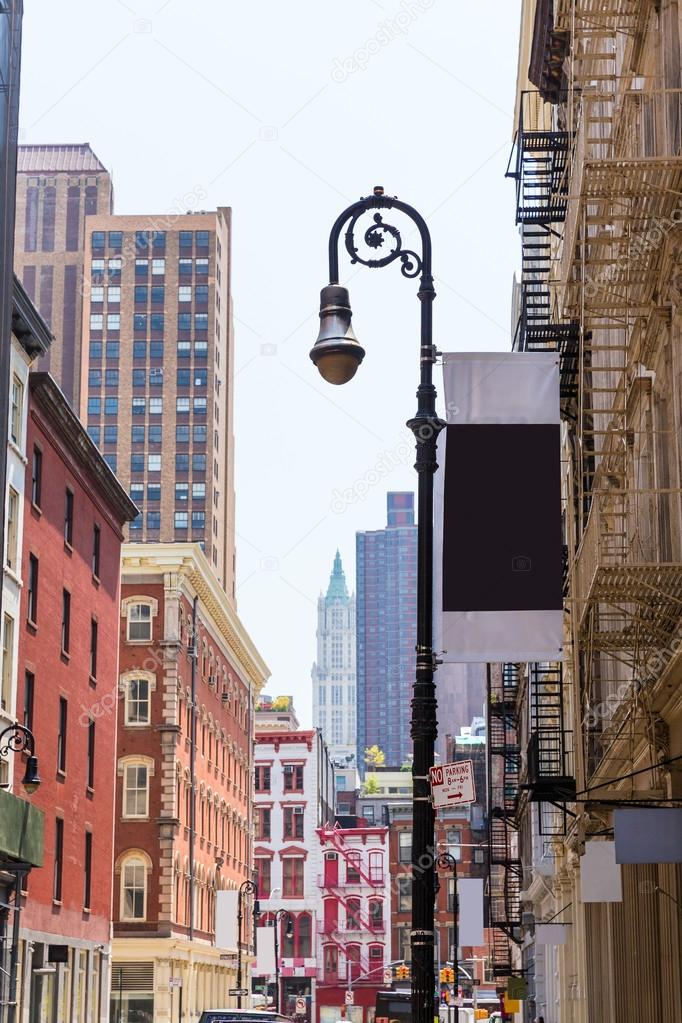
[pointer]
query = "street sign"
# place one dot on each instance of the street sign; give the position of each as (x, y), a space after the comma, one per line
(388, 976)
(349, 997)
(453, 784)
(301, 1006)
(239, 992)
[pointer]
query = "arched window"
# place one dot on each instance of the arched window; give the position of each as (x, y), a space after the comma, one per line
(376, 962)
(376, 915)
(303, 936)
(376, 867)
(134, 869)
(331, 962)
(353, 960)
(353, 915)
(139, 613)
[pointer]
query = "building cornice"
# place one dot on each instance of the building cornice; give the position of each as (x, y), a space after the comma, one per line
(188, 561)
(28, 326)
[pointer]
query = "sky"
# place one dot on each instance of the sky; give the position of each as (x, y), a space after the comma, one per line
(288, 112)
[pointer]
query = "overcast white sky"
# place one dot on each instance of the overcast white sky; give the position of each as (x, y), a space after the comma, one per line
(287, 112)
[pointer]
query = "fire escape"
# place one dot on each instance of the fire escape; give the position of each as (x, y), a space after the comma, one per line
(549, 780)
(505, 871)
(541, 174)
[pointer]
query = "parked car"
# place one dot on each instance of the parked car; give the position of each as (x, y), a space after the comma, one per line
(242, 1016)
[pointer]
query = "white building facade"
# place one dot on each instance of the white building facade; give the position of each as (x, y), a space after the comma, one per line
(30, 339)
(334, 672)
(294, 796)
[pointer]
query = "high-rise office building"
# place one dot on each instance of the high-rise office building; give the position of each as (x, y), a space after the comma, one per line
(57, 187)
(386, 581)
(333, 673)
(156, 384)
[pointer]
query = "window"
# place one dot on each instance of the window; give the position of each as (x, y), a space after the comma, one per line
(156, 377)
(36, 476)
(154, 463)
(184, 349)
(137, 435)
(155, 406)
(96, 321)
(201, 293)
(137, 463)
(184, 321)
(376, 867)
(66, 621)
(200, 377)
(453, 837)
(139, 349)
(114, 269)
(141, 240)
(353, 860)
(97, 239)
(262, 822)
(201, 321)
(140, 294)
(292, 877)
(111, 406)
(182, 405)
(353, 914)
(153, 520)
(139, 406)
(96, 294)
(93, 647)
(331, 961)
(136, 790)
(158, 267)
(181, 491)
(156, 320)
(29, 693)
(12, 528)
(201, 238)
(94, 406)
(137, 492)
(405, 846)
(133, 889)
(183, 378)
(68, 517)
(376, 915)
(113, 321)
(404, 894)
(94, 434)
(111, 461)
(199, 406)
(304, 936)
(262, 782)
(113, 349)
(293, 822)
(110, 434)
(158, 292)
(185, 239)
(95, 378)
(95, 350)
(182, 434)
(156, 349)
(58, 859)
(199, 433)
(479, 856)
(96, 540)
(404, 949)
(139, 622)
(141, 267)
(136, 523)
(7, 660)
(113, 295)
(91, 754)
(61, 734)
(451, 894)
(87, 869)
(185, 293)
(185, 267)
(198, 520)
(16, 411)
(198, 463)
(353, 958)
(137, 702)
(140, 322)
(154, 492)
(115, 239)
(182, 463)
(97, 268)
(264, 869)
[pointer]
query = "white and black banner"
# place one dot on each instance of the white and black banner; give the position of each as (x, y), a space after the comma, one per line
(497, 540)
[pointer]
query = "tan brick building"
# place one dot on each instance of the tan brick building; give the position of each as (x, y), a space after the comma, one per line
(156, 377)
(189, 678)
(57, 187)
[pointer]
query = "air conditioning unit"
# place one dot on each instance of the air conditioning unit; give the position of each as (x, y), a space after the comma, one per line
(213, 681)
(225, 697)
(298, 810)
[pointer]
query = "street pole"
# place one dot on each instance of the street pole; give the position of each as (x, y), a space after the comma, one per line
(280, 914)
(245, 888)
(446, 861)
(337, 355)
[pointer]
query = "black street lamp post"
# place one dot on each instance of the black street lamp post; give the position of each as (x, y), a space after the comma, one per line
(337, 355)
(446, 861)
(280, 914)
(245, 888)
(18, 739)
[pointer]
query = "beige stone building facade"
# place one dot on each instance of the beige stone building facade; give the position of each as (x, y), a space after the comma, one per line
(57, 187)
(157, 373)
(597, 164)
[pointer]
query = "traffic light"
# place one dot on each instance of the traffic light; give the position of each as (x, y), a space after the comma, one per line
(443, 976)
(450, 975)
(402, 972)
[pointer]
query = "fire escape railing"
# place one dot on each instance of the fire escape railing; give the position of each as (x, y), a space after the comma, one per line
(540, 160)
(505, 879)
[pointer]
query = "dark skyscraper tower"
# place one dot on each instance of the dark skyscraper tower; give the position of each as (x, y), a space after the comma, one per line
(386, 581)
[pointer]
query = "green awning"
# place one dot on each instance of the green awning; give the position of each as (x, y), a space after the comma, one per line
(22, 829)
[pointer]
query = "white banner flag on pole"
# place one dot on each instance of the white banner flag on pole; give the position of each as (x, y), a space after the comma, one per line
(497, 510)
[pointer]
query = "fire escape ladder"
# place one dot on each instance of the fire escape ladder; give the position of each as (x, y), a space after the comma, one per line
(549, 746)
(363, 924)
(336, 840)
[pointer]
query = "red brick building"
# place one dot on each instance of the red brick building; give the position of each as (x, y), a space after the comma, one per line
(68, 669)
(188, 680)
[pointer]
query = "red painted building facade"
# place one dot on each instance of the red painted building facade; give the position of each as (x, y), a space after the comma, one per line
(68, 669)
(188, 679)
